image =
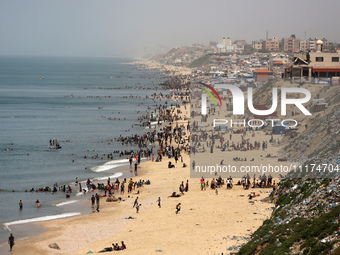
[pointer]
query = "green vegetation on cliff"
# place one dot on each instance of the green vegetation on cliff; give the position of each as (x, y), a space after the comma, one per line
(202, 61)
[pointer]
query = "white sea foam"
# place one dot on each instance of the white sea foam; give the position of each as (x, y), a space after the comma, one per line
(110, 165)
(44, 218)
(117, 175)
(67, 202)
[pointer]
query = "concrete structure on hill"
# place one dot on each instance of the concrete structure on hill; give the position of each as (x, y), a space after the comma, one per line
(314, 65)
(239, 45)
(257, 45)
(225, 45)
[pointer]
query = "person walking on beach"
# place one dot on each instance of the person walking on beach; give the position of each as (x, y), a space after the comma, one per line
(11, 242)
(135, 203)
(20, 205)
(159, 202)
(178, 208)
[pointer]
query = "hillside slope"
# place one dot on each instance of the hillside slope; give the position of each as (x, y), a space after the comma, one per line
(306, 218)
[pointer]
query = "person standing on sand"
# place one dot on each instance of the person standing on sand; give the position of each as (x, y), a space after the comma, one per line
(97, 201)
(11, 242)
(137, 207)
(159, 202)
(20, 205)
(122, 188)
(178, 208)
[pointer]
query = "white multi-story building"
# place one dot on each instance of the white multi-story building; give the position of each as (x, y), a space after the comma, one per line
(225, 45)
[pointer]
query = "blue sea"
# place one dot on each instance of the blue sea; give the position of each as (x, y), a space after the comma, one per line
(84, 103)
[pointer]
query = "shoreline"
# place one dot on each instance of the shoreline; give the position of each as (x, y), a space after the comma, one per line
(213, 223)
(52, 200)
(109, 215)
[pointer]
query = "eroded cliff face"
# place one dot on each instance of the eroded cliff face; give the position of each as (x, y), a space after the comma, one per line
(306, 217)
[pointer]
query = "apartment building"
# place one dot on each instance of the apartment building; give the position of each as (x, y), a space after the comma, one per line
(290, 44)
(272, 45)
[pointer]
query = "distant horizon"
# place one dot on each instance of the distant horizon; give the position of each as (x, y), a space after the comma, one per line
(137, 29)
(50, 56)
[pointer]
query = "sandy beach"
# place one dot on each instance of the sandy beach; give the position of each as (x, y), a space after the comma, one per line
(208, 223)
(155, 65)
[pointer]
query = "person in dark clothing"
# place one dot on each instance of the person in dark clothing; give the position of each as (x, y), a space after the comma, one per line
(178, 208)
(11, 242)
(93, 200)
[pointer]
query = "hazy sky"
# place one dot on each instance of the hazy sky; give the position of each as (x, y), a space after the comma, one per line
(119, 27)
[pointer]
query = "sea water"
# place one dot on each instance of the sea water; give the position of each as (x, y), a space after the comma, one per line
(85, 103)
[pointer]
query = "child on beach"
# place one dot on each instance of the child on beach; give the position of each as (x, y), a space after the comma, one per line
(123, 247)
(137, 207)
(178, 208)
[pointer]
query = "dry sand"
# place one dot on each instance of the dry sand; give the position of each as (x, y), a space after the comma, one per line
(205, 225)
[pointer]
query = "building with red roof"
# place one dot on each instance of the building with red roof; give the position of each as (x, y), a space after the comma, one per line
(262, 75)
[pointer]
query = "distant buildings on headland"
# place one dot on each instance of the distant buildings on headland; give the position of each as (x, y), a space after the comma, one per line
(292, 44)
(312, 60)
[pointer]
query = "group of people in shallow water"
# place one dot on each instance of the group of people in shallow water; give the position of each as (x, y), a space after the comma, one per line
(54, 143)
(55, 189)
(21, 204)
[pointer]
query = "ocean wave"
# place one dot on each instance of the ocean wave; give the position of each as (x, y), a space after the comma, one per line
(79, 194)
(67, 202)
(117, 175)
(110, 165)
(44, 218)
